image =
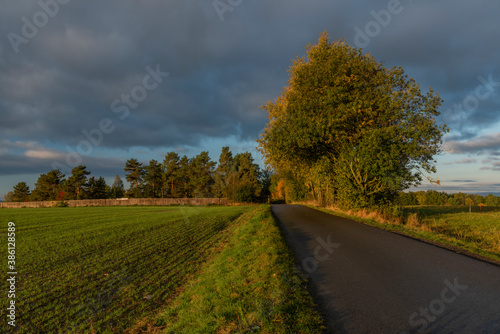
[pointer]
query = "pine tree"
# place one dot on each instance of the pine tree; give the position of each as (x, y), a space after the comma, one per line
(21, 192)
(202, 169)
(223, 171)
(97, 188)
(134, 173)
(74, 186)
(153, 179)
(117, 189)
(171, 177)
(185, 176)
(49, 186)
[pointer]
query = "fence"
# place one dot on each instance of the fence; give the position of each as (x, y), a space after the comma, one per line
(117, 202)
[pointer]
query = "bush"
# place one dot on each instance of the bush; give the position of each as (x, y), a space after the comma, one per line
(245, 193)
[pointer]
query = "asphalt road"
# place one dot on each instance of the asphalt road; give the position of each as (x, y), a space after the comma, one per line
(367, 280)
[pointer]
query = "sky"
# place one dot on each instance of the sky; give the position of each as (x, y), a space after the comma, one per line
(99, 82)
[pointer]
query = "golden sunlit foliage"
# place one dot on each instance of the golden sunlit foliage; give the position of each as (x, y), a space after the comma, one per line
(350, 130)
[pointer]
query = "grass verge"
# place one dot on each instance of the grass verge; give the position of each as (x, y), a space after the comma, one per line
(476, 234)
(251, 286)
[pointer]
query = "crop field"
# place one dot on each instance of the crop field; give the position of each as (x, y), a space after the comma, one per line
(104, 269)
(477, 231)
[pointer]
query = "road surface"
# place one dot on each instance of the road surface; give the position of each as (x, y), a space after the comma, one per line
(367, 280)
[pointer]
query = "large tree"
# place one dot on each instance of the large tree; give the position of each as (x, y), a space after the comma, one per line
(171, 177)
(49, 186)
(185, 176)
(222, 172)
(134, 173)
(202, 169)
(350, 129)
(75, 185)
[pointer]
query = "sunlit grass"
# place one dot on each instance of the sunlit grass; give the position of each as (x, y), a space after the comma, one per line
(475, 231)
(250, 287)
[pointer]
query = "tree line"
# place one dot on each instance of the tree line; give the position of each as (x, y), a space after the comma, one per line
(433, 197)
(234, 177)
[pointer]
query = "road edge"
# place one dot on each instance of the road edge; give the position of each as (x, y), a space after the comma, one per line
(387, 228)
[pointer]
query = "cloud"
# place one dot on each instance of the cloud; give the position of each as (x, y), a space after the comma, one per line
(43, 154)
(37, 162)
(483, 144)
(462, 181)
(463, 161)
(495, 166)
(64, 80)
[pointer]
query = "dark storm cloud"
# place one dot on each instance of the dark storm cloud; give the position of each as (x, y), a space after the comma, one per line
(64, 79)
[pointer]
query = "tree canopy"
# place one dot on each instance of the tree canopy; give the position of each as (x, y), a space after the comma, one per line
(349, 129)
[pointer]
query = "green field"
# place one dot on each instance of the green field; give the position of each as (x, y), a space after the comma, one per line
(121, 269)
(477, 232)
(107, 267)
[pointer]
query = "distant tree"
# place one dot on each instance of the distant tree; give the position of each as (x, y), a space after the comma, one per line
(349, 123)
(412, 198)
(134, 173)
(184, 175)
(453, 201)
(21, 192)
(97, 188)
(243, 184)
(153, 178)
(435, 198)
(421, 197)
(117, 190)
(460, 197)
(75, 185)
(49, 186)
(9, 197)
(223, 171)
(469, 202)
(406, 198)
(469, 199)
(173, 183)
(478, 199)
(491, 200)
(202, 169)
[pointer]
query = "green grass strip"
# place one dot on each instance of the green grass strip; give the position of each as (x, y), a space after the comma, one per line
(250, 287)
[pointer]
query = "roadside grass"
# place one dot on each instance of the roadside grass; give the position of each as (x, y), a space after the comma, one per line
(250, 287)
(475, 232)
(102, 269)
